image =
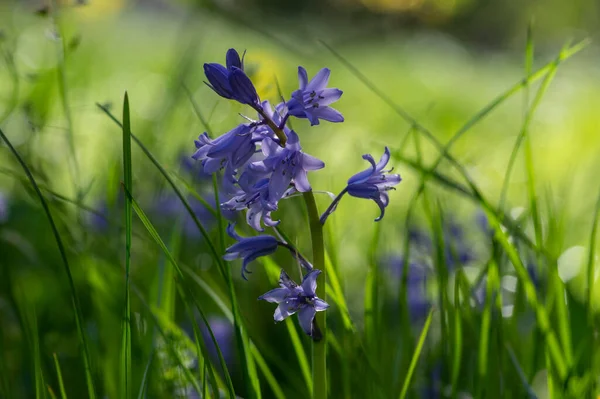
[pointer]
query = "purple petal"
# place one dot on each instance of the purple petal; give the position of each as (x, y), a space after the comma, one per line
(381, 208)
(320, 305)
(293, 141)
(306, 317)
(312, 116)
(309, 283)
(361, 177)
(367, 191)
(269, 221)
(217, 75)
(261, 242)
(275, 296)
(385, 158)
(301, 181)
(253, 216)
(284, 310)
(329, 96)
(231, 256)
(232, 59)
(311, 163)
(280, 181)
(251, 257)
(319, 82)
(328, 114)
(241, 87)
(231, 232)
(302, 77)
(212, 165)
(285, 281)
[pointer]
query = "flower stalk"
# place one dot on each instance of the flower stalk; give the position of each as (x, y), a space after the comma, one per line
(319, 345)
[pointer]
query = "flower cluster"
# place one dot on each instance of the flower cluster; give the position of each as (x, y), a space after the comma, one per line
(262, 163)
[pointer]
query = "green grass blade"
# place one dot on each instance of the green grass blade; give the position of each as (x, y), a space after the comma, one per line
(128, 182)
(457, 333)
(144, 383)
(61, 248)
(247, 364)
(590, 263)
(416, 355)
(154, 234)
(269, 377)
(543, 321)
(59, 376)
(520, 372)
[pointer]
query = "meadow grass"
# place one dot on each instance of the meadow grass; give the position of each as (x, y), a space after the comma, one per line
(138, 301)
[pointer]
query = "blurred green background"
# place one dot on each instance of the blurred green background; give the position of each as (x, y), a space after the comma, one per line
(442, 60)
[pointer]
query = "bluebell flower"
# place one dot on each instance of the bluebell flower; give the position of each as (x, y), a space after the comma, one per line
(312, 100)
(256, 200)
(287, 165)
(249, 248)
(372, 183)
(301, 299)
(375, 182)
(230, 81)
(229, 151)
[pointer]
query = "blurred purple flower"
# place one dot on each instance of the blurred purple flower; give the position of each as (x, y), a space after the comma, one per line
(312, 100)
(223, 331)
(301, 299)
(417, 299)
(3, 208)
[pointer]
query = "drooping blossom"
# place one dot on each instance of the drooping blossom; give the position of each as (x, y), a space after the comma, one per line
(293, 298)
(372, 183)
(249, 248)
(312, 99)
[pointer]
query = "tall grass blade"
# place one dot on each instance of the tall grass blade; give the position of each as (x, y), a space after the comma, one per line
(247, 364)
(128, 182)
(416, 355)
(154, 234)
(61, 248)
(61, 385)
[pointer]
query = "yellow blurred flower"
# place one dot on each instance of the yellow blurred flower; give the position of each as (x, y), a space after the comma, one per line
(94, 8)
(262, 74)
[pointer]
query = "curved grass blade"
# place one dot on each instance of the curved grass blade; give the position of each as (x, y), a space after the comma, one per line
(61, 248)
(520, 372)
(416, 354)
(128, 183)
(59, 376)
(247, 365)
(154, 234)
(556, 353)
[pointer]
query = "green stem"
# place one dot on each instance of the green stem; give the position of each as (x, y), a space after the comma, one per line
(319, 348)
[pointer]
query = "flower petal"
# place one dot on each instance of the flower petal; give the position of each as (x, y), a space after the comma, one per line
(242, 88)
(217, 75)
(361, 177)
(368, 191)
(280, 181)
(328, 114)
(285, 281)
(276, 295)
(381, 208)
(284, 310)
(253, 216)
(309, 283)
(232, 59)
(254, 243)
(302, 78)
(301, 181)
(311, 163)
(328, 96)
(320, 305)
(319, 82)
(385, 158)
(306, 317)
